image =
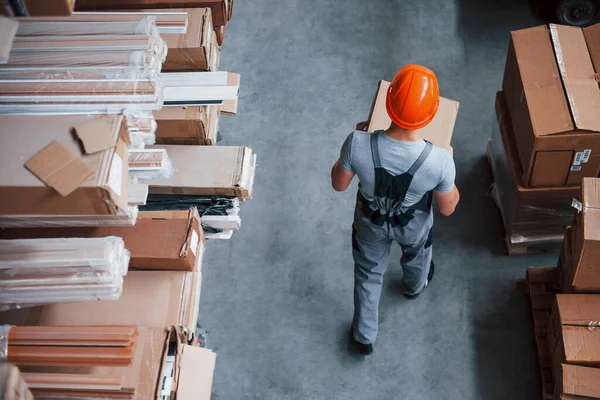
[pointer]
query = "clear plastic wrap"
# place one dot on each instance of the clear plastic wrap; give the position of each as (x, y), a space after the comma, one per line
(145, 25)
(142, 129)
(40, 271)
(150, 163)
(530, 215)
(57, 256)
(84, 67)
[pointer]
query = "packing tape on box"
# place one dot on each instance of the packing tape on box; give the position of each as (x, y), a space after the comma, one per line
(4, 330)
(593, 325)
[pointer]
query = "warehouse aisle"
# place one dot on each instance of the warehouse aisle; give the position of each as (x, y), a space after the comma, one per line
(277, 297)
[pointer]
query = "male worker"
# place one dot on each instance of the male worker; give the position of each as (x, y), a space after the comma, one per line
(399, 174)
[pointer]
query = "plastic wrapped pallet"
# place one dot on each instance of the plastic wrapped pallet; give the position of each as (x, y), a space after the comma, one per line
(529, 214)
(41, 271)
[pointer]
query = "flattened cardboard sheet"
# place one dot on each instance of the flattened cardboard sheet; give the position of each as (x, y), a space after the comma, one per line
(59, 168)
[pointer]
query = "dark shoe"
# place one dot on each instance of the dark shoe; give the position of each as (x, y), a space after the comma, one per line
(427, 282)
(361, 348)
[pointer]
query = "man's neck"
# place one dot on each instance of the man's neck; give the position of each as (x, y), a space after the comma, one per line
(398, 133)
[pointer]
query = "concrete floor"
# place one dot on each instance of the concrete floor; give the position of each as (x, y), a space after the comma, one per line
(277, 298)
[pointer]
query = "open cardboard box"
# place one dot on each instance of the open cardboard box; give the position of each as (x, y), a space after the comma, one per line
(554, 101)
(438, 131)
(165, 366)
(63, 165)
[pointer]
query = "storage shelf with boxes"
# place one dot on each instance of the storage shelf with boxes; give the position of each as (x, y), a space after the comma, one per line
(84, 98)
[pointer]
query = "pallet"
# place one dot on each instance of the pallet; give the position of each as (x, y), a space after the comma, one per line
(542, 285)
(537, 244)
(534, 247)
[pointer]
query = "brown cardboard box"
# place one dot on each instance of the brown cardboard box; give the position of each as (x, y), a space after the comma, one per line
(150, 298)
(578, 383)
(42, 158)
(193, 125)
(192, 51)
(579, 345)
(438, 131)
(37, 8)
(526, 211)
(586, 238)
(208, 171)
(557, 135)
(220, 8)
(191, 368)
(161, 240)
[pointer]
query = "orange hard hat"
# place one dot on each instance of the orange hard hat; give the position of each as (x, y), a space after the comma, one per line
(413, 97)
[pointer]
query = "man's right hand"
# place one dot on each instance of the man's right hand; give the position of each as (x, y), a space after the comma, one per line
(361, 126)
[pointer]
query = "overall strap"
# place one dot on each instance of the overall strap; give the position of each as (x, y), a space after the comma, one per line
(421, 160)
(375, 149)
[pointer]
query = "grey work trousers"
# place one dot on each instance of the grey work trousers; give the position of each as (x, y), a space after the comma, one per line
(371, 250)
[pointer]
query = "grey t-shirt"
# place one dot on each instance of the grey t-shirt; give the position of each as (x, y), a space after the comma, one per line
(437, 172)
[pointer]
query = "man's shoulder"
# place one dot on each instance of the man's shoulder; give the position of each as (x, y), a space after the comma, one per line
(360, 136)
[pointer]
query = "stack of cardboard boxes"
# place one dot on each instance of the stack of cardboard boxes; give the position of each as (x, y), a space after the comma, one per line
(566, 306)
(67, 176)
(548, 135)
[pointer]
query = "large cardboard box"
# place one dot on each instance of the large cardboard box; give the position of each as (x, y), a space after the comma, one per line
(554, 102)
(150, 298)
(194, 50)
(207, 171)
(438, 131)
(47, 171)
(161, 240)
(577, 345)
(221, 10)
(578, 383)
(193, 125)
(527, 212)
(586, 238)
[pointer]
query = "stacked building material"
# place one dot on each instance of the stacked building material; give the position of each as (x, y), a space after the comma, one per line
(82, 98)
(40, 271)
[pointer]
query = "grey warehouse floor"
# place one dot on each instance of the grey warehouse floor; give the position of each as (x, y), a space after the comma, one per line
(277, 298)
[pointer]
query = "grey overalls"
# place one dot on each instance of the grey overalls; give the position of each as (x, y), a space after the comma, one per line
(376, 224)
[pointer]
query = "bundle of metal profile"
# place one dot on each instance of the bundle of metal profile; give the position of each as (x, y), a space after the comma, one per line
(219, 215)
(41, 271)
(84, 67)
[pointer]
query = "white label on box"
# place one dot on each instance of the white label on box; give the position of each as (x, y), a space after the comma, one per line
(115, 176)
(576, 204)
(578, 158)
(194, 243)
(576, 168)
(586, 155)
(167, 378)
